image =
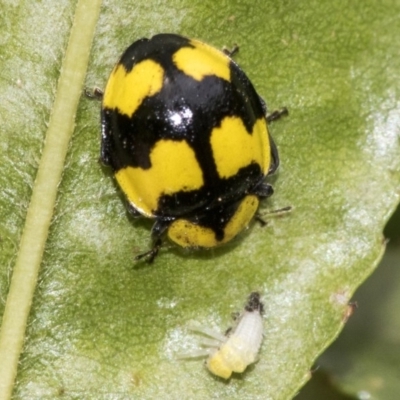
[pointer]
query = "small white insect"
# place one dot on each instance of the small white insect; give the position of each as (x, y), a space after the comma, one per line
(239, 348)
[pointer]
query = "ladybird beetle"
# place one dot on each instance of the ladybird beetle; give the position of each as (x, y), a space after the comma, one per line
(186, 136)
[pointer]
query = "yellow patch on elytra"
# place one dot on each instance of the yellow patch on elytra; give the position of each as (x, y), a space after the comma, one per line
(234, 148)
(202, 60)
(125, 91)
(242, 217)
(167, 175)
(187, 234)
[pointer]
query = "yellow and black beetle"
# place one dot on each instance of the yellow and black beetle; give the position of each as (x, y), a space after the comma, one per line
(186, 135)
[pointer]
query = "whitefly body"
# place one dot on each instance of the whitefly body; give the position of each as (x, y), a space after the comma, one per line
(239, 348)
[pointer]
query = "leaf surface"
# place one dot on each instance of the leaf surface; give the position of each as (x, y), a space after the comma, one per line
(102, 326)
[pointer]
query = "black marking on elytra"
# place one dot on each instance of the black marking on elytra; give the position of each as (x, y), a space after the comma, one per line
(209, 198)
(183, 108)
(215, 219)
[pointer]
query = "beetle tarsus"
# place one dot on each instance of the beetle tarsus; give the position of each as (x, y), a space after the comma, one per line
(95, 93)
(232, 52)
(277, 212)
(277, 114)
(280, 211)
(151, 254)
(260, 220)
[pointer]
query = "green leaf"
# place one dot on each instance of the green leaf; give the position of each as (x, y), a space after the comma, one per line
(102, 326)
(365, 360)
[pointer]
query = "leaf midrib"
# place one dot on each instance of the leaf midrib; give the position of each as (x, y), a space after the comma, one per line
(44, 192)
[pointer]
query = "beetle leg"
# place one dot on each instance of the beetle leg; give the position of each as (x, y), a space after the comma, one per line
(151, 254)
(232, 52)
(277, 114)
(263, 190)
(158, 229)
(95, 93)
(260, 220)
(277, 212)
